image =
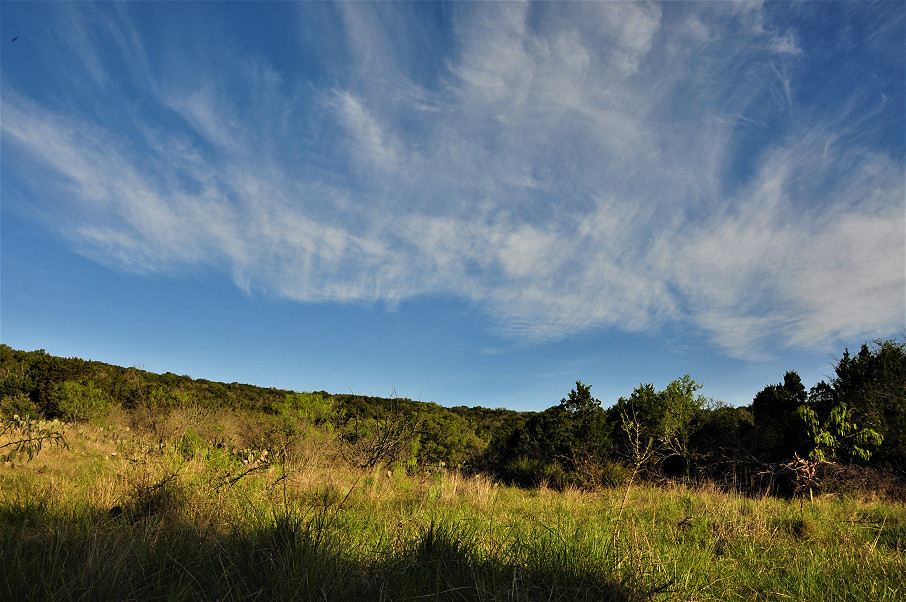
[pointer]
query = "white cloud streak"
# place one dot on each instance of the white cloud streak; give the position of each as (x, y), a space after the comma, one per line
(571, 167)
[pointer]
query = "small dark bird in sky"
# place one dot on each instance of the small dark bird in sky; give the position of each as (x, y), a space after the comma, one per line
(14, 39)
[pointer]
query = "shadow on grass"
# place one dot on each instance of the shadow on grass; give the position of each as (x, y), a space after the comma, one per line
(96, 555)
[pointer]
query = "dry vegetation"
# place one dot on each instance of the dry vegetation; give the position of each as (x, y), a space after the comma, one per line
(202, 505)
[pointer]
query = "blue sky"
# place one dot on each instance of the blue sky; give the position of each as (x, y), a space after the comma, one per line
(467, 203)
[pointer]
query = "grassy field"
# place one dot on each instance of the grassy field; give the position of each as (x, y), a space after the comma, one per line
(165, 513)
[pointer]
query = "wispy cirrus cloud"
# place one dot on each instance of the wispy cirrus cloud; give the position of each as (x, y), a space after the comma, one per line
(563, 166)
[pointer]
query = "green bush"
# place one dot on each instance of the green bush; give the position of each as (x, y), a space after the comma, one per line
(313, 407)
(19, 404)
(81, 402)
(191, 444)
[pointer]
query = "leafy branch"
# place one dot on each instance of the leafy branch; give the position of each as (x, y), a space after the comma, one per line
(838, 435)
(28, 438)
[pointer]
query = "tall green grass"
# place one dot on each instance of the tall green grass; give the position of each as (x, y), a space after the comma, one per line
(119, 516)
(291, 553)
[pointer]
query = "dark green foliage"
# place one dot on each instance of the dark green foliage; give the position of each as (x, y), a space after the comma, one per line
(658, 426)
(872, 385)
(780, 430)
(723, 440)
(446, 438)
(564, 444)
(38, 375)
(34, 383)
(859, 416)
(492, 425)
(431, 434)
(18, 404)
(580, 400)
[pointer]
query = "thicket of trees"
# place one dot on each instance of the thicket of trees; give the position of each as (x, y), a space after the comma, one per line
(858, 418)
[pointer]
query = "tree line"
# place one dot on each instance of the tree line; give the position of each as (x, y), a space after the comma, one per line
(856, 418)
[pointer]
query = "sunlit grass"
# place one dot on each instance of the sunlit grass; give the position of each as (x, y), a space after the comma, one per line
(122, 515)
